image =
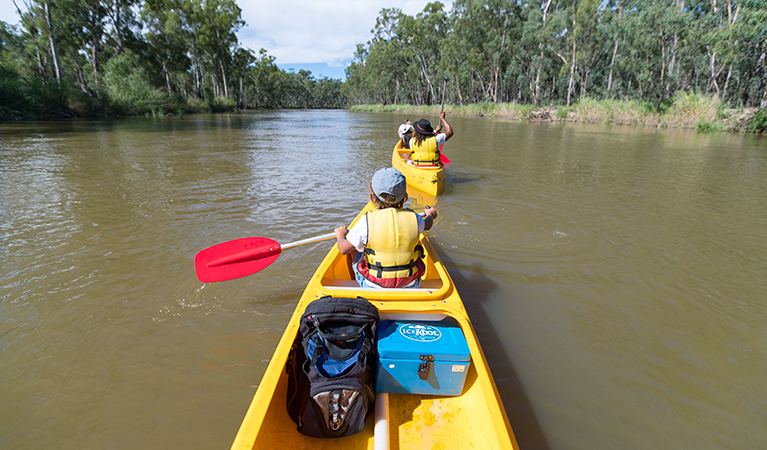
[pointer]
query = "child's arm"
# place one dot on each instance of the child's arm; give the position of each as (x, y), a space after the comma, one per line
(429, 214)
(344, 246)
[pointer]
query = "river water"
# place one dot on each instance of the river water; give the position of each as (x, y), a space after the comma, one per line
(616, 277)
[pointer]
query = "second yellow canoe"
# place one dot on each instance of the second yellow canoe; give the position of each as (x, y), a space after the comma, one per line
(430, 180)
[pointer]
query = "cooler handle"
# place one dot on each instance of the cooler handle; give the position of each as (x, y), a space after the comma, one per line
(424, 368)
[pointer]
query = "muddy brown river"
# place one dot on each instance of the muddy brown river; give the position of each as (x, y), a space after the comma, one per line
(616, 276)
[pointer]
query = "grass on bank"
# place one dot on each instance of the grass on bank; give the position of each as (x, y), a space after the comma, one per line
(684, 110)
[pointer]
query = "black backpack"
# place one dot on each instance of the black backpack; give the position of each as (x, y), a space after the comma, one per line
(330, 367)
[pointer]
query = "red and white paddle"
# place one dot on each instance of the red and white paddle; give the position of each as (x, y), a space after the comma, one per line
(242, 257)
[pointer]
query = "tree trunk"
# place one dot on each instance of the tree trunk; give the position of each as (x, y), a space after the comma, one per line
(95, 25)
(52, 37)
(118, 27)
(572, 72)
(612, 66)
(615, 52)
(167, 78)
(726, 84)
(223, 76)
(425, 74)
(712, 81)
(662, 69)
(80, 77)
(536, 91)
(497, 68)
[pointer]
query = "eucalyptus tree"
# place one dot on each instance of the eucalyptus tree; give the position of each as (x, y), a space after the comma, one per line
(487, 32)
(168, 36)
(265, 81)
(535, 57)
(422, 36)
(389, 59)
(356, 74)
(242, 60)
(749, 35)
(215, 23)
(41, 20)
(402, 60)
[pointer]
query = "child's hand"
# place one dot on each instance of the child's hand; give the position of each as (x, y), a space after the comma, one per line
(430, 211)
(341, 232)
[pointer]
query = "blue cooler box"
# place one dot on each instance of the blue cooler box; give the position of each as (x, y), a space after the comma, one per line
(421, 358)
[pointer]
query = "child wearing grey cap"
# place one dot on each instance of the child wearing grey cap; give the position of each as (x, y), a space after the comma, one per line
(387, 239)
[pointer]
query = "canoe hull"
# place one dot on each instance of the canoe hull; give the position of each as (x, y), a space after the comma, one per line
(475, 419)
(430, 180)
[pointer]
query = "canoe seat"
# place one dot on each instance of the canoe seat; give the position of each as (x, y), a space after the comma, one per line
(335, 283)
(423, 166)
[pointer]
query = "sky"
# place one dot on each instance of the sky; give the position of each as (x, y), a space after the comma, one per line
(316, 35)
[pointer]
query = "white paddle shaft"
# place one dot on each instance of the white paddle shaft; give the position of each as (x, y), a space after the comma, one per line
(381, 431)
(324, 237)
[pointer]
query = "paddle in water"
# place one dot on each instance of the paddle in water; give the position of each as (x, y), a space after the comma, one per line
(242, 257)
(442, 158)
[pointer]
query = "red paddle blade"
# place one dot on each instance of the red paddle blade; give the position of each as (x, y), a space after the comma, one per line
(235, 259)
(444, 159)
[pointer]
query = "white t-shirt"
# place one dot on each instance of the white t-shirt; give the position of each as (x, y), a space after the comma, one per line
(403, 129)
(358, 235)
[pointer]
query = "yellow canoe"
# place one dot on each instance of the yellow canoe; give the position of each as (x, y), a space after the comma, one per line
(475, 419)
(428, 179)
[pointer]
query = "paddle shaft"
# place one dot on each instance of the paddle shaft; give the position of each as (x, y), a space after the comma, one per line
(444, 159)
(324, 237)
(381, 430)
(444, 88)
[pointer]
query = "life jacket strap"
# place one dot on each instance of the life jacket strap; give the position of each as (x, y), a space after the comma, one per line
(426, 163)
(381, 269)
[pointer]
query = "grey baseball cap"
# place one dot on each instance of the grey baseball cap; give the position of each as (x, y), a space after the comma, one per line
(389, 181)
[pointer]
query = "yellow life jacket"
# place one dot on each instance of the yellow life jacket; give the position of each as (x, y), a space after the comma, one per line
(426, 154)
(393, 252)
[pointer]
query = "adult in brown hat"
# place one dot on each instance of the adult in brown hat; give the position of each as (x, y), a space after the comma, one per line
(427, 143)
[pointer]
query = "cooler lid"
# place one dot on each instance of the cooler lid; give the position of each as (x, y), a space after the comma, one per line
(408, 340)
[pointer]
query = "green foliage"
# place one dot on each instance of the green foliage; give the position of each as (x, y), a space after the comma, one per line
(565, 52)
(90, 58)
(15, 101)
(222, 104)
(758, 123)
(196, 106)
(129, 90)
(708, 127)
(694, 104)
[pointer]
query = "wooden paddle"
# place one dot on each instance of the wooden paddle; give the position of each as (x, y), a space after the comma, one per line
(242, 257)
(443, 159)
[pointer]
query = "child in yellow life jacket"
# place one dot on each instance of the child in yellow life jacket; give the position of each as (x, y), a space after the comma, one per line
(387, 238)
(426, 144)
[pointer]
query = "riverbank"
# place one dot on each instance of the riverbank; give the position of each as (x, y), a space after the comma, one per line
(684, 110)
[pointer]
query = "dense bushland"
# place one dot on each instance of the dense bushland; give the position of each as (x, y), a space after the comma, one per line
(71, 58)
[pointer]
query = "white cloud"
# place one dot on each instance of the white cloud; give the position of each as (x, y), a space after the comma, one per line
(302, 31)
(312, 31)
